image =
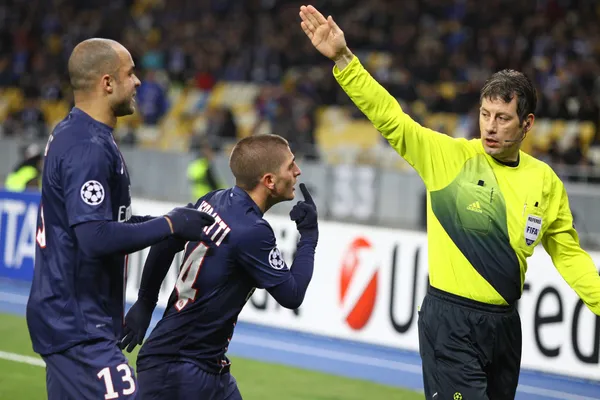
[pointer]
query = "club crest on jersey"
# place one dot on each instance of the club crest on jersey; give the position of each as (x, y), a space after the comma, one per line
(533, 228)
(275, 259)
(92, 193)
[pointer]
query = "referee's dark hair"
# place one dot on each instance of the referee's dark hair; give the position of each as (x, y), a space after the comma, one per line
(508, 83)
(254, 156)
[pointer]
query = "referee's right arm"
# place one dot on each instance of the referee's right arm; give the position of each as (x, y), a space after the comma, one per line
(561, 242)
(435, 156)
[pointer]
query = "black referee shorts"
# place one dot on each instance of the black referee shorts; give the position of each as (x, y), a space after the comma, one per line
(469, 350)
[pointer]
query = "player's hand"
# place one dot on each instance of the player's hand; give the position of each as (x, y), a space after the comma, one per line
(324, 33)
(137, 321)
(304, 213)
(187, 223)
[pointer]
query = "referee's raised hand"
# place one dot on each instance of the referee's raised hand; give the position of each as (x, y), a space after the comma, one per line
(324, 33)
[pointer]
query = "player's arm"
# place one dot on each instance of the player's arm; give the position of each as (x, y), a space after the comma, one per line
(157, 265)
(136, 219)
(561, 242)
(100, 238)
(155, 270)
(258, 253)
(290, 293)
(158, 262)
(89, 165)
(97, 234)
(293, 289)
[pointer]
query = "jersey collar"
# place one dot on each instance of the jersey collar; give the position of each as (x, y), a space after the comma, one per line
(244, 197)
(77, 112)
(510, 163)
(514, 164)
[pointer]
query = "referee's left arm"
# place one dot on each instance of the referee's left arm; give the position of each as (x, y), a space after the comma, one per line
(561, 241)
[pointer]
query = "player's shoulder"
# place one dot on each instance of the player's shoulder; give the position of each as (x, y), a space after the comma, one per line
(76, 130)
(215, 194)
(255, 229)
(254, 222)
(237, 209)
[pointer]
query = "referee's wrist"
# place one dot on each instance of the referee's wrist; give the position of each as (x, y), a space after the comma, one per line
(343, 59)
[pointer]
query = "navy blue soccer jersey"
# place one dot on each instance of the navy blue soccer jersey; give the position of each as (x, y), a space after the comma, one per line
(217, 277)
(74, 297)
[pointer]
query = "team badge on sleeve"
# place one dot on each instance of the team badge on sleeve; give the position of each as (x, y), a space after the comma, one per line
(275, 259)
(92, 193)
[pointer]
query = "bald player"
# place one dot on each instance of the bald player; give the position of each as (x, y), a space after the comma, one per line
(85, 230)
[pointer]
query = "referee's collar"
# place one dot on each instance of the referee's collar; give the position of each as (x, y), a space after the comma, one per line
(509, 163)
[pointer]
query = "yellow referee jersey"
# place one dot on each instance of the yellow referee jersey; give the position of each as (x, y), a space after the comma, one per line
(483, 218)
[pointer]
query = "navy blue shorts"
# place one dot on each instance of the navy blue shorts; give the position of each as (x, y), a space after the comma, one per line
(468, 349)
(93, 370)
(184, 380)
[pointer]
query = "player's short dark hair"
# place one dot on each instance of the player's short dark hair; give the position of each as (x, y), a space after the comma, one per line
(508, 83)
(90, 60)
(254, 156)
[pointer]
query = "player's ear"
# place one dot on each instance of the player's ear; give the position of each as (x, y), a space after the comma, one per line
(108, 83)
(268, 180)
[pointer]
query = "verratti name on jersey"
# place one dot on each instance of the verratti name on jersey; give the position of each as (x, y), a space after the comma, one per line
(217, 231)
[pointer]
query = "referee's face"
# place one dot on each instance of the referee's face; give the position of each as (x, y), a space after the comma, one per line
(501, 132)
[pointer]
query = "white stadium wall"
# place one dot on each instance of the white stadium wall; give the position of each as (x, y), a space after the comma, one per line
(369, 282)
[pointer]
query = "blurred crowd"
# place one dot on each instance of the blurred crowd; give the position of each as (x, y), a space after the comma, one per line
(434, 52)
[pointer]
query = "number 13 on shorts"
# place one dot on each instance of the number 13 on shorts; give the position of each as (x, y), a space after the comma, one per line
(125, 386)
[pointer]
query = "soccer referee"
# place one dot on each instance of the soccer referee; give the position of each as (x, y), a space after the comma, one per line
(488, 206)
